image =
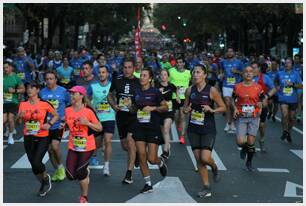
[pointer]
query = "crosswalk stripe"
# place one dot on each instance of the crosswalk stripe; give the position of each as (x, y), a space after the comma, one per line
(23, 162)
(273, 170)
(174, 132)
(298, 153)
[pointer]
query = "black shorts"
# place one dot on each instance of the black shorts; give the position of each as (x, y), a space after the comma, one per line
(166, 115)
(148, 135)
(291, 106)
(126, 123)
(274, 98)
(56, 134)
(108, 127)
(264, 114)
(177, 106)
(202, 141)
(10, 108)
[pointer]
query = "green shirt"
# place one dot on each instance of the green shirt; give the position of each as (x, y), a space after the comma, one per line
(180, 80)
(165, 65)
(10, 81)
(136, 74)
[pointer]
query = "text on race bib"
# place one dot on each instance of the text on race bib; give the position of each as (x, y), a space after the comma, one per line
(54, 103)
(182, 91)
(103, 107)
(32, 127)
(79, 143)
(8, 96)
(288, 91)
(231, 80)
(170, 106)
(21, 75)
(197, 117)
(143, 117)
(124, 102)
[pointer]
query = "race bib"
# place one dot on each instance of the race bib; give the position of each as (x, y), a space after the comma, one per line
(288, 91)
(143, 117)
(54, 103)
(170, 106)
(197, 117)
(182, 91)
(79, 143)
(77, 71)
(103, 108)
(231, 80)
(124, 103)
(32, 127)
(8, 97)
(21, 75)
(65, 81)
(248, 108)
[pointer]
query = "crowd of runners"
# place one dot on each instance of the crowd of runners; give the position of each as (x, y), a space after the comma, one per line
(92, 93)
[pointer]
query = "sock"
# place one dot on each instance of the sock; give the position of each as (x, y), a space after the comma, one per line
(148, 180)
(251, 151)
(106, 164)
(129, 172)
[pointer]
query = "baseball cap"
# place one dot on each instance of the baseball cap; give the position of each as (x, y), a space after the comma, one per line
(79, 89)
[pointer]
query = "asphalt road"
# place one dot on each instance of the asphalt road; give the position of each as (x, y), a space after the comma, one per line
(278, 176)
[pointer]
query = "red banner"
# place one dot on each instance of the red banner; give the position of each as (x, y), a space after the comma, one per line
(137, 35)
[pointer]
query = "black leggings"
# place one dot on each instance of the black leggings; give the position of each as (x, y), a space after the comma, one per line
(77, 163)
(36, 148)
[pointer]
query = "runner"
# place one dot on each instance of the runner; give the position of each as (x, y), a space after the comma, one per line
(273, 101)
(288, 82)
(36, 133)
(199, 102)
(59, 98)
(148, 103)
(180, 77)
(81, 121)
(167, 89)
(230, 70)
(298, 67)
(248, 97)
(268, 87)
(65, 73)
(24, 65)
(99, 92)
(125, 86)
(12, 86)
(56, 62)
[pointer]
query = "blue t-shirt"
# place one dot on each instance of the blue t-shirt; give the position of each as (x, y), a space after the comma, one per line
(213, 76)
(76, 65)
(59, 98)
(230, 79)
(266, 80)
(65, 74)
(23, 69)
(288, 94)
(272, 74)
(99, 94)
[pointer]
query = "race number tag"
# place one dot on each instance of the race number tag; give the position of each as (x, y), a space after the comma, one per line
(288, 91)
(54, 103)
(65, 81)
(170, 106)
(32, 127)
(103, 108)
(124, 102)
(79, 143)
(248, 110)
(21, 75)
(77, 71)
(8, 97)
(231, 80)
(182, 92)
(197, 117)
(143, 117)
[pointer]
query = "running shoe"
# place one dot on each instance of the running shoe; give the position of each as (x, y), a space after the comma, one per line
(146, 189)
(10, 140)
(7, 133)
(249, 166)
(163, 169)
(227, 127)
(206, 192)
(262, 147)
(106, 171)
(284, 135)
(288, 137)
(182, 139)
(45, 187)
(93, 161)
(54, 176)
(61, 173)
(83, 199)
(128, 178)
(165, 155)
(232, 127)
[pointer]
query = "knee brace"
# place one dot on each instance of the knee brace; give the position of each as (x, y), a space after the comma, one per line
(251, 148)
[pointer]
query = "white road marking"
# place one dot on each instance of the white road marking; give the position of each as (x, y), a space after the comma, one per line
(298, 153)
(23, 162)
(294, 128)
(257, 149)
(215, 156)
(174, 133)
(290, 190)
(169, 190)
(97, 167)
(273, 170)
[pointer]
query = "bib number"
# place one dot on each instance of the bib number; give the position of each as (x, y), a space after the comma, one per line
(182, 92)
(288, 91)
(79, 143)
(54, 103)
(77, 71)
(21, 75)
(8, 97)
(103, 108)
(170, 106)
(65, 81)
(32, 127)
(197, 117)
(248, 110)
(231, 80)
(123, 104)
(143, 117)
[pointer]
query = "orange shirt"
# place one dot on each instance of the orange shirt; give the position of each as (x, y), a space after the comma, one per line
(247, 95)
(35, 116)
(80, 139)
